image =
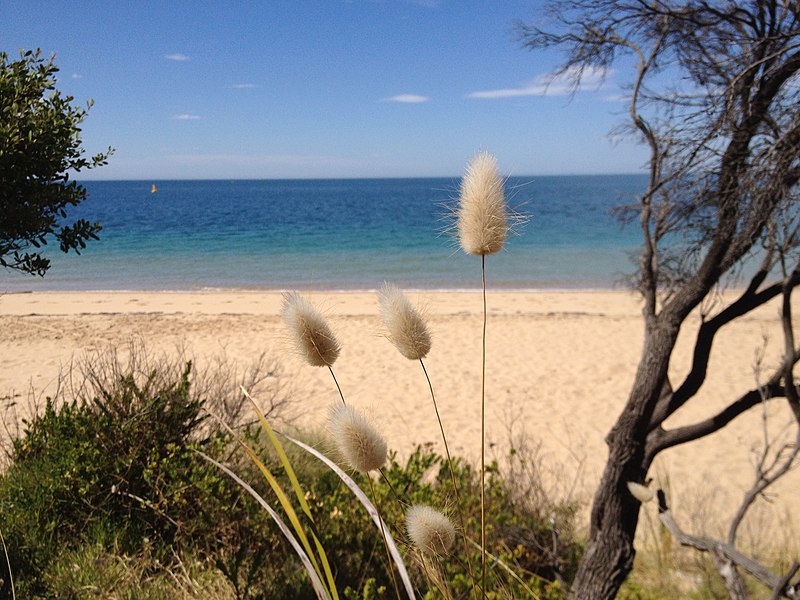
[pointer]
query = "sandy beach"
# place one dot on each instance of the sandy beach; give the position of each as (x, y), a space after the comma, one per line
(560, 365)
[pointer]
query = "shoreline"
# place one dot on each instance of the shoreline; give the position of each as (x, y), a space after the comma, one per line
(322, 288)
(560, 366)
(193, 301)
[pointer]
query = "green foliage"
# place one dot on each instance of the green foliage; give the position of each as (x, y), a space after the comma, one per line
(109, 488)
(120, 466)
(95, 571)
(517, 536)
(40, 143)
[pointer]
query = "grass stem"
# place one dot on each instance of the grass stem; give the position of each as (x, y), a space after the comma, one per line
(338, 387)
(483, 433)
(452, 479)
(8, 562)
(383, 534)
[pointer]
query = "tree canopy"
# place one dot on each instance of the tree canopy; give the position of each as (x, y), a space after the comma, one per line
(40, 144)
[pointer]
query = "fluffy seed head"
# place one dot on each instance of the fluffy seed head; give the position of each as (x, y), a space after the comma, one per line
(430, 530)
(482, 220)
(312, 337)
(356, 439)
(404, 323)
(641, 492)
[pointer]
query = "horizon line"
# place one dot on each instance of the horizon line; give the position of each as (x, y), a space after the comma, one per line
(353, 177)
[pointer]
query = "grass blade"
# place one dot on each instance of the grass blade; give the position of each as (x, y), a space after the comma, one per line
(298, 492)
(319, 588)
(373, 513)
(288, 508)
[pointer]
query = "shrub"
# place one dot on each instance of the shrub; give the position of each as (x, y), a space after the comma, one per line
(518, 535)
(120, 466)
(116, 474)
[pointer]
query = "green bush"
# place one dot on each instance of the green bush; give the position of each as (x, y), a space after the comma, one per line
(117, 474)
(118, 467)
(517, 535)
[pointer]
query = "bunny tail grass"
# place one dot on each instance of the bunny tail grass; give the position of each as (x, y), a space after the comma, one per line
(311, 335)
(482, 219)
(452, 479)
(356, 439)
(405, 325)
(482, 226)
(371, 511)
(430, 530)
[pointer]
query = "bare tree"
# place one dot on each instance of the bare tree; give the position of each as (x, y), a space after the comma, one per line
(714, 95)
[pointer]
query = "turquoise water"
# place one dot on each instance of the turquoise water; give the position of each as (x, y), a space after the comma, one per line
(340, 234)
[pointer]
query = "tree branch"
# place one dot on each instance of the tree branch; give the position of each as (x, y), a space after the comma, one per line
(747, 302)
(724, 551)
(764, 479)
(660, 439)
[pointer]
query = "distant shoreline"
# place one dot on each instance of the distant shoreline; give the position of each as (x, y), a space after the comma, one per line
(321, 289)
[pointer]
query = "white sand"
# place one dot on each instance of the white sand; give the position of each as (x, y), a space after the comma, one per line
(560, 366)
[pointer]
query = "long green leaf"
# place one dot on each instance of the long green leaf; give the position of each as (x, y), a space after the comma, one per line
(319, 587)
(371, 510)
(298, 492)
(285, 504)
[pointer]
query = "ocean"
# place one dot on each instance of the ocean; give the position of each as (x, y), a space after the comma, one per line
(348, 234)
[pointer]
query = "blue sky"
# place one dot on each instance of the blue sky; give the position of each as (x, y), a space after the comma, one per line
(319, 88)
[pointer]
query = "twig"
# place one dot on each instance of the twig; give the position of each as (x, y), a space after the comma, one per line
(724, 552)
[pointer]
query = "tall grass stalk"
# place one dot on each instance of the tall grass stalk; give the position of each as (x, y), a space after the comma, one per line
(285, 503)
(383, 535)
(483, 432)
(372, 511)
(8, 563)
(456, 492)
(482, 227)
(338, 387)
(408, 332)
(313, 571)
(298, 490)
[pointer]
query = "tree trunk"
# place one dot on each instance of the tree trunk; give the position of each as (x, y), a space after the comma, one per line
(609, 554)
(615, 512)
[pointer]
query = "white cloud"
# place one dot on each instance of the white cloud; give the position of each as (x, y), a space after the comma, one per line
(244, 86)
(551, 85)
(407, 99)
(186, 117)
(77, 76)
(176, 56)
